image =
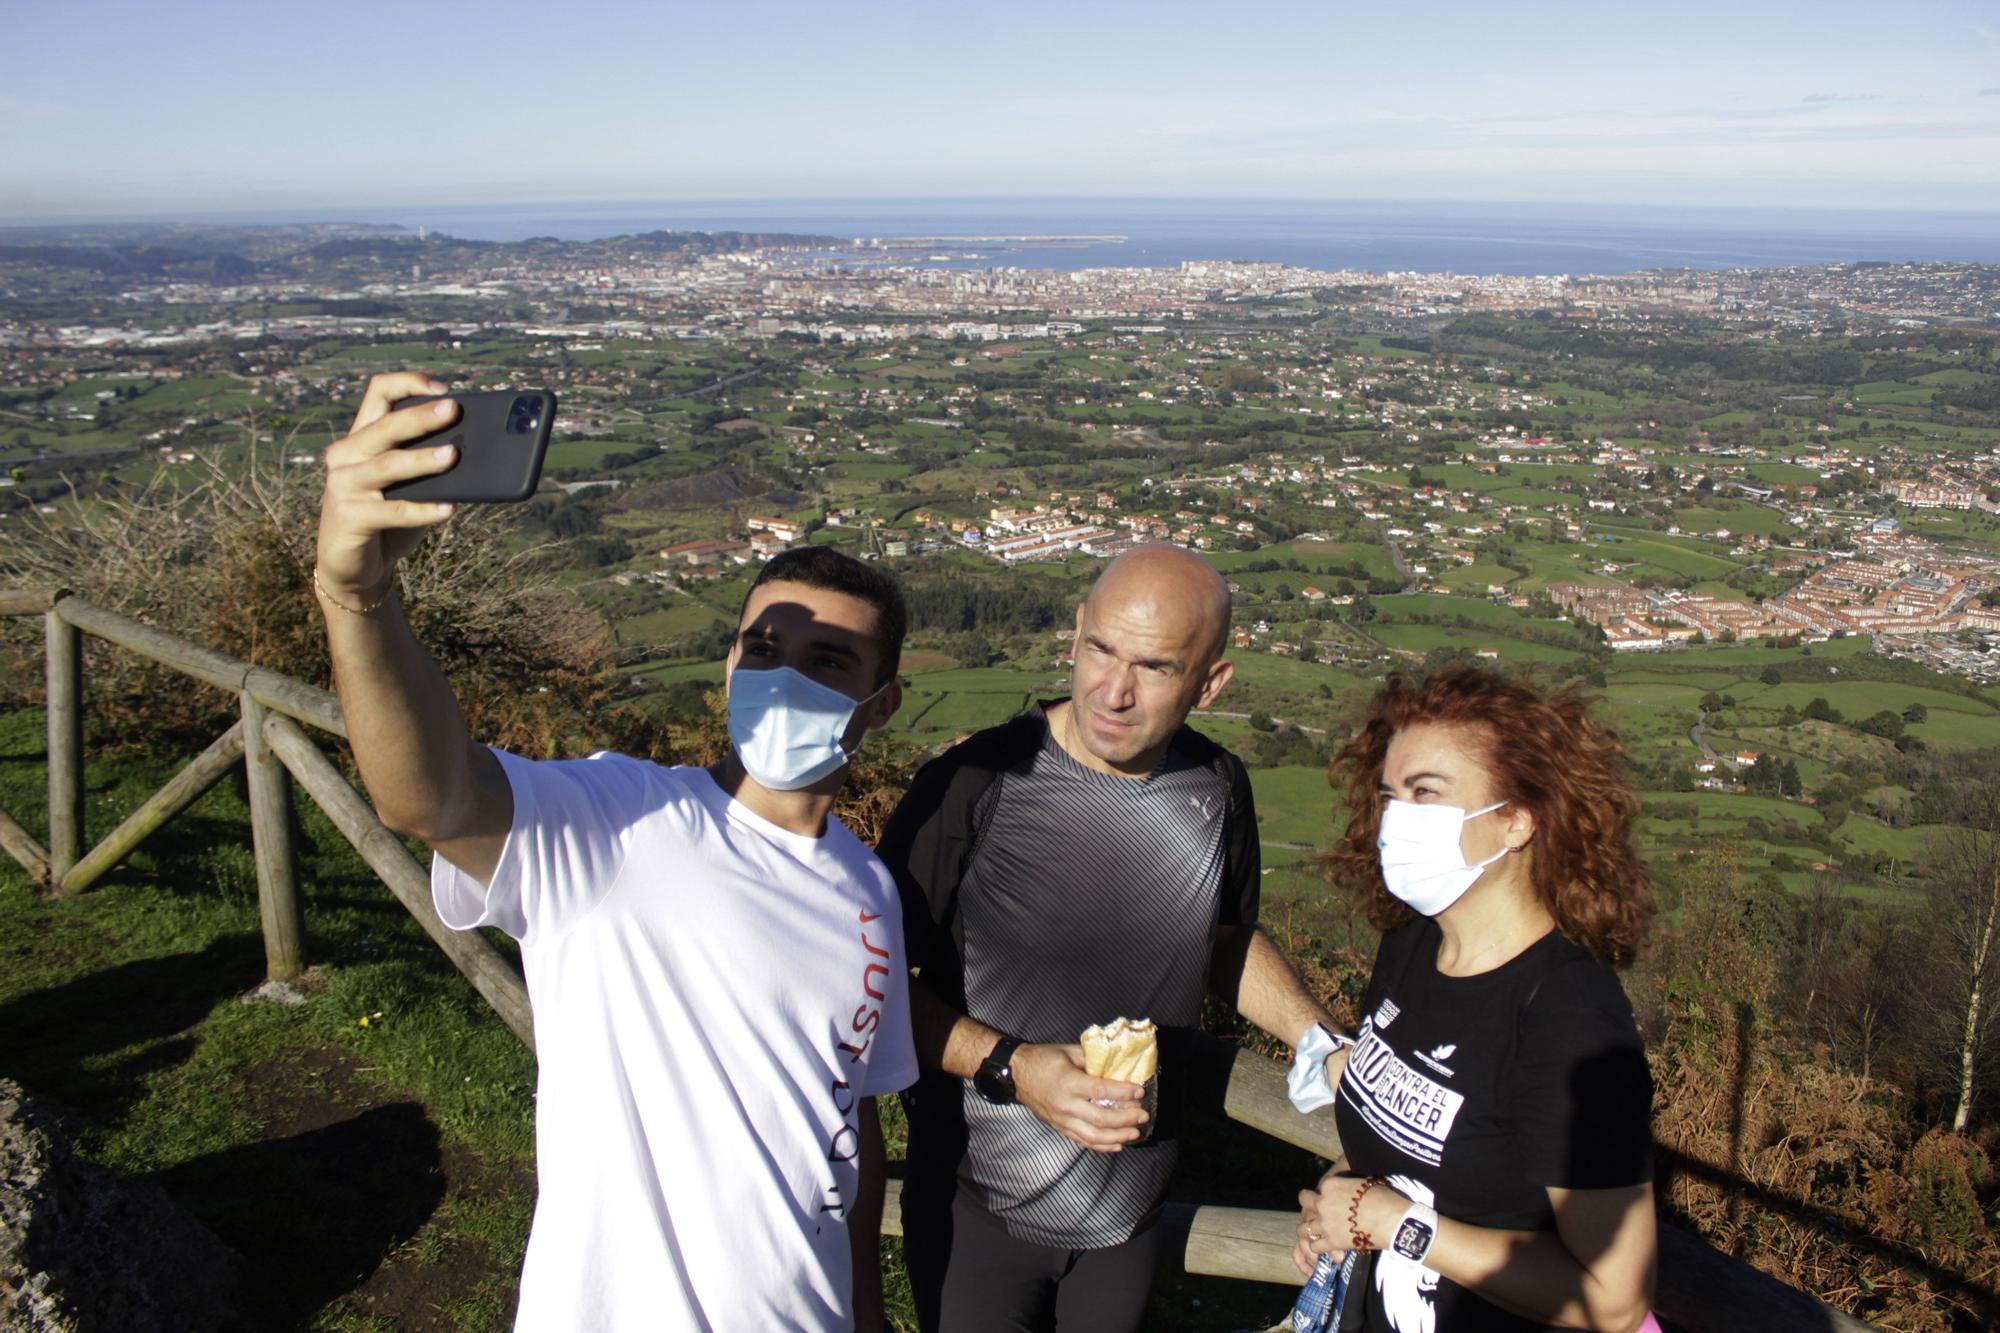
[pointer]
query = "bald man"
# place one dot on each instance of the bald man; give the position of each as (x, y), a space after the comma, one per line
(1094, 858)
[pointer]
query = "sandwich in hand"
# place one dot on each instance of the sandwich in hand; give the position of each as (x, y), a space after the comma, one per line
(1126, 1050)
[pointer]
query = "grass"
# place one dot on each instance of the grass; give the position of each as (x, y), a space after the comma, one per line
(1738, 518)
(1433, 607)
(1758, 655)
(1664, 553)
(954, 713)
(122, 1006)
(1869, 835)
(1294, 805)
(680, 616)
(1653, 694)
(1475, 578)
(1423, 638)
(1950, 715)
(586, 453)
(949, 699)
(672, 673)
(1255, 670)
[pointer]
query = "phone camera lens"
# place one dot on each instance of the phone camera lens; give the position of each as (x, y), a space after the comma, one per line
(524, 418)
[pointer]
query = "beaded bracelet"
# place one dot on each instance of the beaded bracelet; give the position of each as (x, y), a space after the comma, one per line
(388, 590)
(1357, 1238)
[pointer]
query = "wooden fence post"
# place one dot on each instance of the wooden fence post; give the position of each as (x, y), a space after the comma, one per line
(65, 709)
(183, 790)
(271, 841)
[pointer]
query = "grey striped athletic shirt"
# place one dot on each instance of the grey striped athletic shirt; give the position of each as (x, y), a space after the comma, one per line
(1092, 896)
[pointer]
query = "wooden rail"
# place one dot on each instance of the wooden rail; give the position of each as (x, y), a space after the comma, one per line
(1700, 1289)
(275, 752)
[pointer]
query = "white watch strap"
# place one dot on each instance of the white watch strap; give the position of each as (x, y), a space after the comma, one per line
(1423, 1213)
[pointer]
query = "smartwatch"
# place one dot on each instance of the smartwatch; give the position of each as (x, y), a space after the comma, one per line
(1415, 1231)
(995, 1079)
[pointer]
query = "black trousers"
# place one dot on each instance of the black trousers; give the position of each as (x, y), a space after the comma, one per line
(969, 1276)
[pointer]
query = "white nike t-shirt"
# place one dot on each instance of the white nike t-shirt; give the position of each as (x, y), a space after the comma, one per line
(713, 997)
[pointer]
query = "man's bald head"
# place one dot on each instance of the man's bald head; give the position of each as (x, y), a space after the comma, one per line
(1176, 583)
(1149, 643)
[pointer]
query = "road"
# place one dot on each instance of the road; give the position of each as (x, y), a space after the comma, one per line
(1402, 566)
(1694, 734)
(722, 383)
(1395, 553)
(1216, 712)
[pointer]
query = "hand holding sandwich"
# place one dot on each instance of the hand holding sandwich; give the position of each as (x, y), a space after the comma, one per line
(1100, 1114)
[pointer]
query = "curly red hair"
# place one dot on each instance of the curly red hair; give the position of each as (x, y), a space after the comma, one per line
(1546, 753)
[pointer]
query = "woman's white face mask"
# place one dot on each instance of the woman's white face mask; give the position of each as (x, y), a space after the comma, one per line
(1421, 861)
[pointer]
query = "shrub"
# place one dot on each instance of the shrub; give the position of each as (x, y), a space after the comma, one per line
(222, 554)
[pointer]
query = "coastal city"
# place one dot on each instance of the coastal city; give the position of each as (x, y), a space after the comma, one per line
(863, 294)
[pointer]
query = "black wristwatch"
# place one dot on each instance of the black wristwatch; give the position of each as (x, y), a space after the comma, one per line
(995, 1079)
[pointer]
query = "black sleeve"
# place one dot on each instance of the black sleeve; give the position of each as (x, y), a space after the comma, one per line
(928, 842)
(1582, 1092)
(925, 853)
(1243, 884)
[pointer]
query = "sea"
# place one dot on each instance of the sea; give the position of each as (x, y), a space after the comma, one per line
(1369, 237)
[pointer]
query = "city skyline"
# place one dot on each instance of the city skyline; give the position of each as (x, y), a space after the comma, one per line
(116, 111)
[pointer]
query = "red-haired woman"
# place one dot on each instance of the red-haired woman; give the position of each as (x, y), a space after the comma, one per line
(1495, 1110)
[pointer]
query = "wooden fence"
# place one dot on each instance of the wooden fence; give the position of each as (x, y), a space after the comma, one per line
(1700, 1289)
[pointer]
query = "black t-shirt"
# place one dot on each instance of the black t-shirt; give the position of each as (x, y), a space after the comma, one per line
(1475, 1094)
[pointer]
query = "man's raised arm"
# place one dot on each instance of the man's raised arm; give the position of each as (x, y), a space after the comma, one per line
(423, 771)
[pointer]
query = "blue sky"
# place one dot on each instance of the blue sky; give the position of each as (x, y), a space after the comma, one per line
(119, 108)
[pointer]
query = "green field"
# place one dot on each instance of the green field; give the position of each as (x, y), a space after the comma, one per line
(1435, 607)
(1273, 671)
(940, 704)
(1294, 805)
(679, 616)
(1664, 553)
(1739, 519)
(1906, 844)
(1423, 638)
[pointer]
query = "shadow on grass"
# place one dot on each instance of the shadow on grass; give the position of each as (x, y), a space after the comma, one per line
(51, 1039)
(314, 1214)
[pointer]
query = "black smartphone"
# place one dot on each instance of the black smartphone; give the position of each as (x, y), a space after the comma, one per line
(501, 436)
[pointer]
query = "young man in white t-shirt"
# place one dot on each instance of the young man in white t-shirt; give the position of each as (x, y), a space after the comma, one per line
(717, 965)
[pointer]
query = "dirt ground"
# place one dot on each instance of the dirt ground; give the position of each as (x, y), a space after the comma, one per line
(374, 1191)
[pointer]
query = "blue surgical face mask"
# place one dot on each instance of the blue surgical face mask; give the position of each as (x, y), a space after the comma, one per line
(787, 726)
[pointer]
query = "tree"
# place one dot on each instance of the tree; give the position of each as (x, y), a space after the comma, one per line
(1959, 936)
(1915, 713)
(1964, 901)
(976, 650)
(1771, 676)
(1884, 724)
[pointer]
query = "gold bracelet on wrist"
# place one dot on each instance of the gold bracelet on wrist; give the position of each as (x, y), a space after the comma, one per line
(388, 591)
